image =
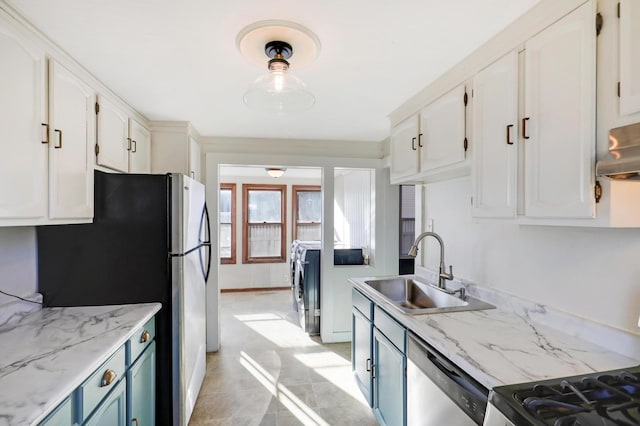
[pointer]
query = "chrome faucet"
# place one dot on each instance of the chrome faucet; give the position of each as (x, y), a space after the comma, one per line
(443, 275)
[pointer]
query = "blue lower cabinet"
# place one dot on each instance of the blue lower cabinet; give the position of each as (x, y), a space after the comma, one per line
(389, 382)
(361, 359)
(141, 383)
(113, 410)
(61, 416)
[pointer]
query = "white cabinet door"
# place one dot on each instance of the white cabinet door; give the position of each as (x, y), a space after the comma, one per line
(495, 155)
(140, 153)
(23, 158)
(404, 149)
(71, 119)
(629, 57)
(113, 130)
(559, 123)
(442, 124)
(194, 159)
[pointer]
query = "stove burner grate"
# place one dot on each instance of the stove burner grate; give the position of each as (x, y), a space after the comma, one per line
(603, 401)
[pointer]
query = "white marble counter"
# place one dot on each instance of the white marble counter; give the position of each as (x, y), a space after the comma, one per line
(48, 353)
(503, 345)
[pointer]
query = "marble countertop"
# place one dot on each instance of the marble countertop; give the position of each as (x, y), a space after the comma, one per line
(503, 346)
(48, 353)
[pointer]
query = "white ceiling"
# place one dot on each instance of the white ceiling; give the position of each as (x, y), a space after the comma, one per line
(178, 60)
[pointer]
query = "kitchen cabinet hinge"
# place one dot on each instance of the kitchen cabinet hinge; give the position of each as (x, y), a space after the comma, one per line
(618, 12)
(97, 149)
(465, 98)
(97, 107)
(465, 144)
(598, 191)
(599, 22)
(618, 89)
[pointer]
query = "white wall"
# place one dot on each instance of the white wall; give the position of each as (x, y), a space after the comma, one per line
(17, 262)
(591, 273)
(253, 275)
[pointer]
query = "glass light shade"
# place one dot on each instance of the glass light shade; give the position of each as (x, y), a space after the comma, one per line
(279, 91)
(275, 173)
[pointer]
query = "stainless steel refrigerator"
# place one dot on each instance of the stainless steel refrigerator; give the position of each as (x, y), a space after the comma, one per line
(149, 242)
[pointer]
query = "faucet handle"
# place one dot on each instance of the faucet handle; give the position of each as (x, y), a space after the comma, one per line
(447, 276)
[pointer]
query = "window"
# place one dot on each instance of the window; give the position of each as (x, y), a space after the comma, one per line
(227, 223)
(264, 218)
(307, 212)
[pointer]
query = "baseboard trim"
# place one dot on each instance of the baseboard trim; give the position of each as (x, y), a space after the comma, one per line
(252, 289)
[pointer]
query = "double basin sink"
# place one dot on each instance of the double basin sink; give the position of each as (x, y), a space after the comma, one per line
(412, 296)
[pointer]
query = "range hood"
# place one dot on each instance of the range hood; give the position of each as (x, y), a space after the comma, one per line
(623, 161)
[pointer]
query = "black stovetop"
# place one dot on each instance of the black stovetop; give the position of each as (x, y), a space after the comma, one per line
(603, 399)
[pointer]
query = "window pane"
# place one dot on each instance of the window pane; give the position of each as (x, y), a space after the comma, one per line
(264, 206)
(264, 240)
(407, 218)
(309, 206)
(225, 206)
(225, 240)
(308, 231)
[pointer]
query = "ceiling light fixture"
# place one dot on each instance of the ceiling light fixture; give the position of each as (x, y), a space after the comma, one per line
(275, 172)
(278, 91)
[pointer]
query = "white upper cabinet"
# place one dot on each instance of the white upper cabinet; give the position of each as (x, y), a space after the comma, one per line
(442, 124)
(23, 162)
(629, 57)
(404, 149)
(558, 126)
(72, 130)
(431, 144)
(495, 133)
(113, 140)
(140, 152)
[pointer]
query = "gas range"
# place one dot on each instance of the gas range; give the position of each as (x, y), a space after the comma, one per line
(604, 399)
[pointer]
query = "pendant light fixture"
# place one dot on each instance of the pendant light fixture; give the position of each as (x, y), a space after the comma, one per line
(273, 41)
(278, 90)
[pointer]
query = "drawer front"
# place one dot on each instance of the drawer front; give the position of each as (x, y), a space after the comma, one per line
(61, 416)
(141, 339)
(94, 389)
(363, 304)
(393, 330)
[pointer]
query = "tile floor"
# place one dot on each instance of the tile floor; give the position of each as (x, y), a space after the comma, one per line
(268, 372)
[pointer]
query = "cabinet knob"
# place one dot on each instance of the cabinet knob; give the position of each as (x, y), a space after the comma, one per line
(145, 336)
(108, 377)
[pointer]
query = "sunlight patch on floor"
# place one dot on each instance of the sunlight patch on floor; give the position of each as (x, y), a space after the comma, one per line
(299, 409)
(335, 369)
(276, 329)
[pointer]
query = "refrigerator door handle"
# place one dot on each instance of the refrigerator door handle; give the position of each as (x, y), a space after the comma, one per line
(205, 221)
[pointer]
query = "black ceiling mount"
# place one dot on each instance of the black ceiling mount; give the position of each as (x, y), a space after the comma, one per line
(274, 48)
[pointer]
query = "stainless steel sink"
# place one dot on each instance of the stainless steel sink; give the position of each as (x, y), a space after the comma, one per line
(412, 296)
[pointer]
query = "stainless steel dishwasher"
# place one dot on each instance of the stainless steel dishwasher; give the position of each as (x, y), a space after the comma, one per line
(438, 392)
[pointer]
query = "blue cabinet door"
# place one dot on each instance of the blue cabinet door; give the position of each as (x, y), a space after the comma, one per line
(141, 379)
(389, 383)
(113, 410)
(361, 358)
